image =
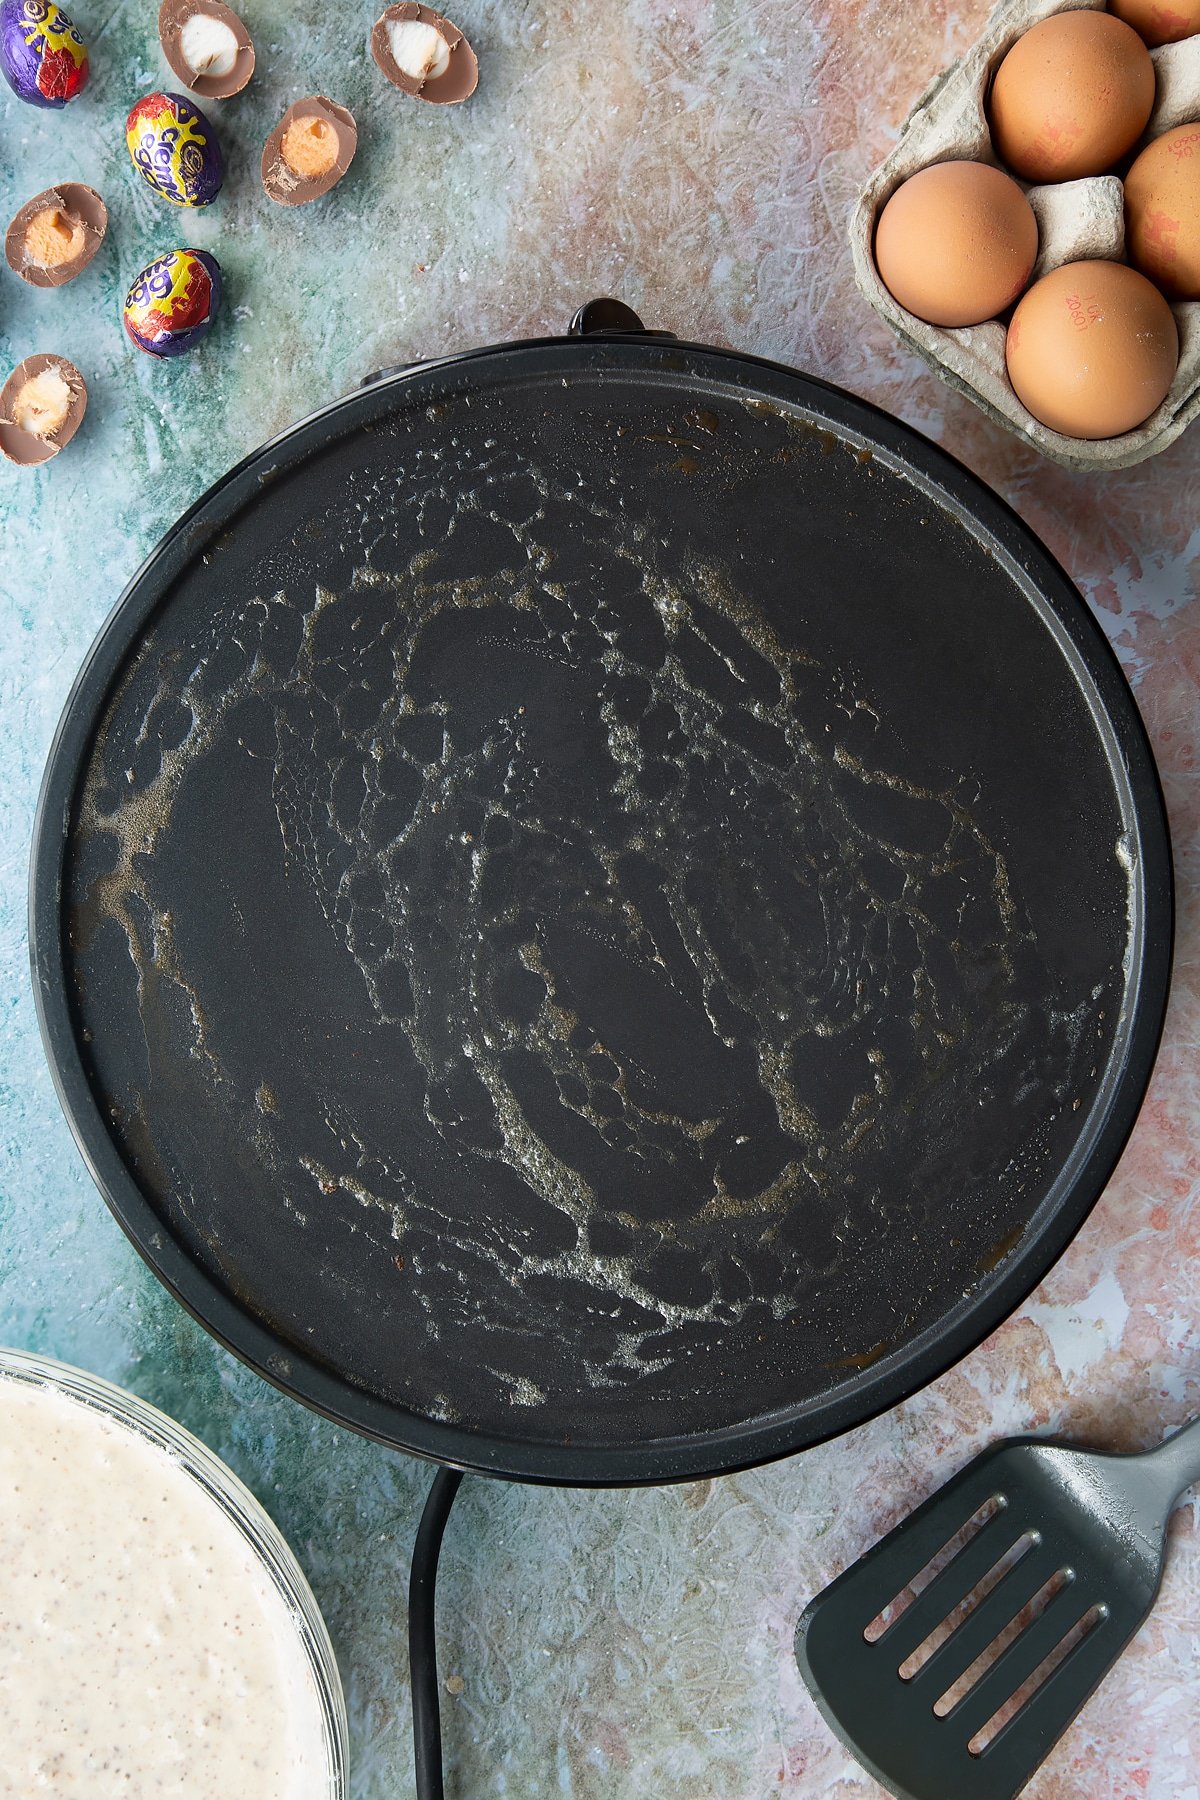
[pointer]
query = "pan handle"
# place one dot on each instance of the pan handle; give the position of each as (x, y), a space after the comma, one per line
(598, 318)
(392, 369)
(610, 318)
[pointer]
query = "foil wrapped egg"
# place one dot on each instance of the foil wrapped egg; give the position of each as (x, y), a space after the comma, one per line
(173, 302)
(45, 61)
(175, 149)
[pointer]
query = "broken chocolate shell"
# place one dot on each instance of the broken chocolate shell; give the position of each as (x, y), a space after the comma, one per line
(41, 407)
(56, 234)
(207, 46)
(309, 151)
(423, 54)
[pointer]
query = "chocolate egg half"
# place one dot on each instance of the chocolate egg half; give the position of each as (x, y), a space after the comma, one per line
(424, 55)
(45, 61)
(173, 302)
(207, 46)
(309, 151)
(41, 408)
(175, 149)
(56, 234)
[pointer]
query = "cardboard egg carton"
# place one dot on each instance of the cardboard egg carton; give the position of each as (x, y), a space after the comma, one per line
(1076, 220)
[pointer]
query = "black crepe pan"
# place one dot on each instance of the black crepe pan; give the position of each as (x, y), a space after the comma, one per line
(601, 910)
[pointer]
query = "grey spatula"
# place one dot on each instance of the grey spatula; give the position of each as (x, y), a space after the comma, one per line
(952, 1656)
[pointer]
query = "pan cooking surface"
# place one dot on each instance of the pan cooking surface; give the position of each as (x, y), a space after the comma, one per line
(597, 912)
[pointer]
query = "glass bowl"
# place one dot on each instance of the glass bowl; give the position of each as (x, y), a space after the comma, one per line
(239, 1506)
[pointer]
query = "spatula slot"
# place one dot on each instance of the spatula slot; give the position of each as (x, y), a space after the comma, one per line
(900, 1603)
(1066, 1645)
(1033, 1609)
(912, 1665)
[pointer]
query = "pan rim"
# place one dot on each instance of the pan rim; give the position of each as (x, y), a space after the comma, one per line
(765, 1438)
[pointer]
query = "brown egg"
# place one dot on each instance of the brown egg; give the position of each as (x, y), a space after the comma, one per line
(956, 242)
(1071, 97)
(1092, 349)
(1159, 21)
(1162, 212)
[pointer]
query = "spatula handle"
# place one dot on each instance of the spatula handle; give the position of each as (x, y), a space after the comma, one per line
(1179, 1457)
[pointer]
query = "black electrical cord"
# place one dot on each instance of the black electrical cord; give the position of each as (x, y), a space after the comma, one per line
(422, 1638)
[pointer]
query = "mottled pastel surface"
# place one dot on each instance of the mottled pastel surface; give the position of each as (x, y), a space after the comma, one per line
(699, 160)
